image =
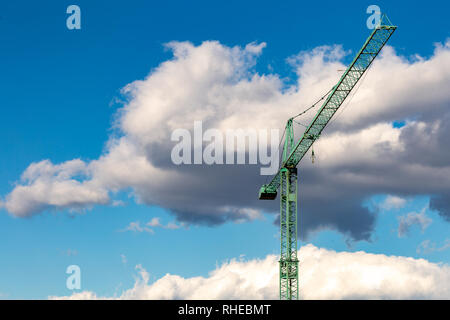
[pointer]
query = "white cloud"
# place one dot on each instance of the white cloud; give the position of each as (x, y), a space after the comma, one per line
(135, 226)
(154, 222)
(360, 153)
(427, 247)
(47, 186)
(413, 218)
(84, 295)
(393, 202)
(118, 203)
(324, 274)
(172, 226)
(245, 213)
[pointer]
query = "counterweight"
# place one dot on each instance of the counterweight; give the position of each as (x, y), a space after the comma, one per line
(286, 177)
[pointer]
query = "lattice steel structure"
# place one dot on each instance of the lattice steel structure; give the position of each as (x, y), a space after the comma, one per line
(286, 177)
(288, 222)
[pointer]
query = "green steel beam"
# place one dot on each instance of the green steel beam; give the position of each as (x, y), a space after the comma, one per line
(288, 232)
(339, 93)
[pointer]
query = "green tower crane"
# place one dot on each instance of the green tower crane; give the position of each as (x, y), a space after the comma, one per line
(286, 177)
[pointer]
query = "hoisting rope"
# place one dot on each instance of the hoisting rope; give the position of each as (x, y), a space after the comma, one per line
(301, 113)
(298, 115)
(305, 111)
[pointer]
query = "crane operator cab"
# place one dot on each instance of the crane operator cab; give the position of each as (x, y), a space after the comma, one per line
(266, 193)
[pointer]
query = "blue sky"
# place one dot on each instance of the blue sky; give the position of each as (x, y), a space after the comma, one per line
(60, 89)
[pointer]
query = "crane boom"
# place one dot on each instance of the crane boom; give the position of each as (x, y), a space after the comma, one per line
(373, 45)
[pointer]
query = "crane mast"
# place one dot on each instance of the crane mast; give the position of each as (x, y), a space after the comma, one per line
(286, 177)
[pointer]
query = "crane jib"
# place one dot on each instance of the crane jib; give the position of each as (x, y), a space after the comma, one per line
(373, 45)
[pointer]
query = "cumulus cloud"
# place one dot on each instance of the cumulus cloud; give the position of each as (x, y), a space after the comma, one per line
(46, 186)
(413, 218)
(325, 274)
(359, 155)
